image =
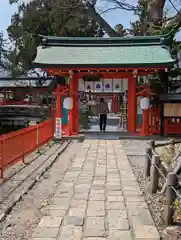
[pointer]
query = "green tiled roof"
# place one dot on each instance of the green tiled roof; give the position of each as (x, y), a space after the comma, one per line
(101, 52)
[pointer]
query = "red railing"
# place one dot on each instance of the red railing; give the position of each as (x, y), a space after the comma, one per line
(17, 145)
(14, 102)
(154, 120)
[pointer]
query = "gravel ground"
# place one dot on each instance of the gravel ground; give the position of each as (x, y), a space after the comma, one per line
(135, 150)
(25, 216)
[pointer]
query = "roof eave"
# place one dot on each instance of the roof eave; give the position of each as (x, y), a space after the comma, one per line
(104, 66)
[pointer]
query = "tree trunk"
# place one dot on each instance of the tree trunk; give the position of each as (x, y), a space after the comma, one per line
(155, 10)
(103, 24)
(155, 14)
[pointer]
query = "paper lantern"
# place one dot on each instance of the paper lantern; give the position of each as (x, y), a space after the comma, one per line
(68, 103)
(145, 103)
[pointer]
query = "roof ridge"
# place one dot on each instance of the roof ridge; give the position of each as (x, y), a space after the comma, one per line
(131, 40)
(108, 38)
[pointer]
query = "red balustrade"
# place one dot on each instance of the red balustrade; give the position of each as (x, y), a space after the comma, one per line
(15, 146)
(172, 125)
(154, 120)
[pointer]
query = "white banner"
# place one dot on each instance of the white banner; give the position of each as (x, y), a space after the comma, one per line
(107, 85)
(98, 86)
(81, 85)
(58, 128)
(117, 83)
(124, 84)
(89, 86)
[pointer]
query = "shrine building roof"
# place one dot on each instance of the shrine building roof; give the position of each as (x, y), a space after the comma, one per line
(117, 52)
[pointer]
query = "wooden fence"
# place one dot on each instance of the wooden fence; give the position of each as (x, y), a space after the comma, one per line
(153, 172)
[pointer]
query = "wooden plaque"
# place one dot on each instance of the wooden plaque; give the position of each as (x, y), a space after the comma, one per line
(172, 109)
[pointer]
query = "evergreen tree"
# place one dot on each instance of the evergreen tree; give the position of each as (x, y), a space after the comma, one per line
(45, 18)
(3, 52)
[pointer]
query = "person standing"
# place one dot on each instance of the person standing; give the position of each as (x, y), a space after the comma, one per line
(103, 111)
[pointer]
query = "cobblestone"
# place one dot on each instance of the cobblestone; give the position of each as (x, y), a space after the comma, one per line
(119, 235)
(96, 208)
(117, 219)
(75, 221)
(95, 227)
(115, 205)
(98, 199)
(71, 233)
(94, 238)
(45, 232)
(50, 221)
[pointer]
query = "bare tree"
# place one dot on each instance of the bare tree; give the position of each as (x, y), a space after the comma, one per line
(153, 12)
(115, 4)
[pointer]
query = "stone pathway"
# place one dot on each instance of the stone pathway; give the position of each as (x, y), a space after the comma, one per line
(98, 199)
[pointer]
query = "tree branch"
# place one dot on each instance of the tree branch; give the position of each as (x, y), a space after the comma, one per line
(177, 19)
(109, 9)
(123, 5)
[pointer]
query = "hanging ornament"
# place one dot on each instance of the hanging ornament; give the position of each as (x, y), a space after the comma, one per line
(135, 72)
(70, 73)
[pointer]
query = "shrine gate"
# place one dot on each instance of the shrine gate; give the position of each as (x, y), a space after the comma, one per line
(108, 58)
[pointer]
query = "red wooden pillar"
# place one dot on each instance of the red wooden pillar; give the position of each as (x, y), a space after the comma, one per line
(144, 131)
(58, 102)
(132, 105)
(58, 120)
(112, 106)
(70, 112)
(117, 104)
(74, 113)
(5, 98)
(75, 82)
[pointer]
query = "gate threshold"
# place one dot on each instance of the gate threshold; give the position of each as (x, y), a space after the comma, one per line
(119, 135)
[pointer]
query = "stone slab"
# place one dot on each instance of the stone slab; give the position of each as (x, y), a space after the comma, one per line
(45, 232)
(119, 235)
(98, 198)
(95, 227)
(70, 233)
(95, 208)
(145, 232)
(118, 220)
(72, 220)
(50, 221)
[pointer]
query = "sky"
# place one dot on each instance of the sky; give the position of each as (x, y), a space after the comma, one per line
(113, 17)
